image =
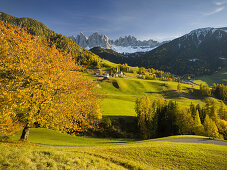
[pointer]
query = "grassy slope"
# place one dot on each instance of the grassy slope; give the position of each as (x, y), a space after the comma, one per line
(51, 137)
(219, 77)
(119, 100)
(156, 155)
(148, 155)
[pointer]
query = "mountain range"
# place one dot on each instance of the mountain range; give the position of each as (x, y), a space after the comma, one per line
(202, 51)
(127, 44)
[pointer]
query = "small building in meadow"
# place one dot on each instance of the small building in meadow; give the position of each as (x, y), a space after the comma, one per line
(119, 74)
(106, 75)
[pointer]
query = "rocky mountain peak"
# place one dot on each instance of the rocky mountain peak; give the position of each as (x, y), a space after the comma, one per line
(126, 44)
(81, 40)
(96, 40)
(198, 36)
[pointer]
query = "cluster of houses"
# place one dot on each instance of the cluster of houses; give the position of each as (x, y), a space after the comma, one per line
(107, 75)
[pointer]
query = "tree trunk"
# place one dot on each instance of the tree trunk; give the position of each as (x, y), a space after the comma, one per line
(25, 133)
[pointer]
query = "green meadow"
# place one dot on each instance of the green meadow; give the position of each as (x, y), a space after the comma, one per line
(119, 94)
(49, 149)
(119, 155)
(51, 137)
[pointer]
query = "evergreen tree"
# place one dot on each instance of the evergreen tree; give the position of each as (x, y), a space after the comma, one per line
(222, 128)
(193, 110)
(179, 87)
(145, 117)
(184, 122)
(210, 127)
(198, 127)
(223, 111)
(205, 90)
(100, 72)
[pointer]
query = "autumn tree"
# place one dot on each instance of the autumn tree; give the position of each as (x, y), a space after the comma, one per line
(142, 70)
(184, 122)
(198, 127)
(193, 110)
(223, 111)
(179, 87)
(43, 86)
(145, 116)
(222, 128)
(210, 127)
(211, 108)
(205, 90)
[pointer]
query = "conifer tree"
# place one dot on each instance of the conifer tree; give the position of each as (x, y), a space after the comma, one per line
(185, 122)
(210, 127)
(179, 87)
(198, 127)
(222, 128)
(193, 110)
(145, 116)
(223, 111)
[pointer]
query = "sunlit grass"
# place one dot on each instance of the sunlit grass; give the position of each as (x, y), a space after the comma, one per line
(52, 137)
(120, 94)
(155, 155)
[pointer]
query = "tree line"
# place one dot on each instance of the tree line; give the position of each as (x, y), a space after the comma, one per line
(218, 90)
(160, 118)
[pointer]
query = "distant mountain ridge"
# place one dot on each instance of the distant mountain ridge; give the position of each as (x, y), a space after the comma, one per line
(94, 40)
(127, 44)
(202, 51)
(199, 52)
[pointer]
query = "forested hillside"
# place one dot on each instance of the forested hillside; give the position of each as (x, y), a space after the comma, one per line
(200, 52)
(63, 43)
(110, 55)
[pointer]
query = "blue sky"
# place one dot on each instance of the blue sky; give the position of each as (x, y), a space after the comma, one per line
(145, 19)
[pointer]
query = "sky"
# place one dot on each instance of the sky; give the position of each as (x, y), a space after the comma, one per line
(145, 19)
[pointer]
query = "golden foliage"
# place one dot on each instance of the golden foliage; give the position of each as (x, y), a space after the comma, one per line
(40, 84)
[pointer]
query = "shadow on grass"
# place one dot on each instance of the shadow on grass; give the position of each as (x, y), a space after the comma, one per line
(173, 94)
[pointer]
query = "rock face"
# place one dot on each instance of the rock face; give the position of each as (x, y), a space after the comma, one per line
(94, 40)
(132, 41)
(82, 40)
(127, 44)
